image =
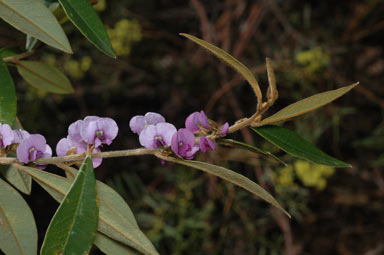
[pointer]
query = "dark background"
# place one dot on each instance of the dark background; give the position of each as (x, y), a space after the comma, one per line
(314, 45)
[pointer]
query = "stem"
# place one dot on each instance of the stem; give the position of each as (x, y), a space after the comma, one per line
(14, 59)
(79, 157)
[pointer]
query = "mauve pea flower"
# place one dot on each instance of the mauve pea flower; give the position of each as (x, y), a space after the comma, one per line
(183, 143)
(74, 130)
(159, 135)
(224, 129)
(206, 144)
(6, 135)
(195, 120)
(95, 130)
(32, 148)
(66, 145)
(19, 135)
(139, 122)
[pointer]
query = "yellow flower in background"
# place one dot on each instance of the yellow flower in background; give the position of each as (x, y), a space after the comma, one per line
(123, 35)
(77, 69)
(313, 60)
(100, 5)
(313, 175)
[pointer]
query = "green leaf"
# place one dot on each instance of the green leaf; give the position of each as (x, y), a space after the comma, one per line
(112, 247)
(30, 42)
(308, 104)
(7, 95)
(245, 146)
(231, 61)
(73, 227)
(10, 51)
(85, 18)
(34, 18)
(44, 77)
(116, 219)
(17, 178)
(295, 145)
(231, 176)
(18, 233)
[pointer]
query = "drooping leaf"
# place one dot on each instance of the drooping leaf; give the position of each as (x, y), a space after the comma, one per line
(34, 18)
(231, 176)
(7, 95)
(112, 247)
(73, 227)
(84, 17)
(308, 104)
(245, 146)
(231, 61)
(116, 220)
(18, 233)
(295, 145)
(44, 77)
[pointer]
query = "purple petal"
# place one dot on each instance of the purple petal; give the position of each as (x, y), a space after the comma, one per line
(152, 118)
(109, 128)
(6, 135)
(147, 137)
(47, 153)
(206, 144)
(96, 161)
(37, 142)
(19, 135)
(166, 131)
(224, 129)
(203, 120)
(63, 146)
(74, 130)
(137, 124)
(88, 131)
(192, 121)
(183, 143)
(191, 154)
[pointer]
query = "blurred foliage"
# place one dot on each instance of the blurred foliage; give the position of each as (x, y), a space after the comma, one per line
(124, 33)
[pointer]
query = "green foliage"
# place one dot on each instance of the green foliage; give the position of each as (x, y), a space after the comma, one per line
(123, 35)
(17, 225)
(85, 18)
(34, 18)
(7, 95)
(73, 227)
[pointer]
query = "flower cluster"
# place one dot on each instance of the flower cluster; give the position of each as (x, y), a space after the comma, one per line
(89, 133)
(154, 132)
(29, 147)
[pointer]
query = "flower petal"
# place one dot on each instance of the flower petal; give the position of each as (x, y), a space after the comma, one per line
(192, 121)
(74, 130)
(152, 118)
(110, 129)
(137, 124)
(166, 131)
(147, 137)
(6, 134)
(63, 146)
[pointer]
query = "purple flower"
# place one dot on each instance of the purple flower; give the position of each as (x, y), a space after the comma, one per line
(95, 130)
(159, 135)
(32, 148)
(6, 135)
(67, 146)
(206, 144)
(224, 129)
(195, 120)
(183, 143)
(139, 122)
(74, 131)
(19, 135)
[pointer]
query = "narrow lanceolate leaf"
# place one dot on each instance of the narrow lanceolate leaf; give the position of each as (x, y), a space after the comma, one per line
(18, 233)
(295, 145)
(34, 18)
(85, 18)
(44, 77)
(17, 178)
(245, 146)
(73, 227)
(116, 219)
(231, 176)
(7, 96)
(112, 247)
(231, 61)
(308, 104)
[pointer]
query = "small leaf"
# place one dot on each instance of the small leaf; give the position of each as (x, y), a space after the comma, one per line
(73, 227)
(112, 247)
(34, 18)
(116, 219)
(7, 95)
(245, 146)
(17, 178)
(30, 42)
(10, 51)
(308, 104)
(231, 176)
(18, 233)
(295, 145)
(44, 77)
(85, 18)
(231, 61)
